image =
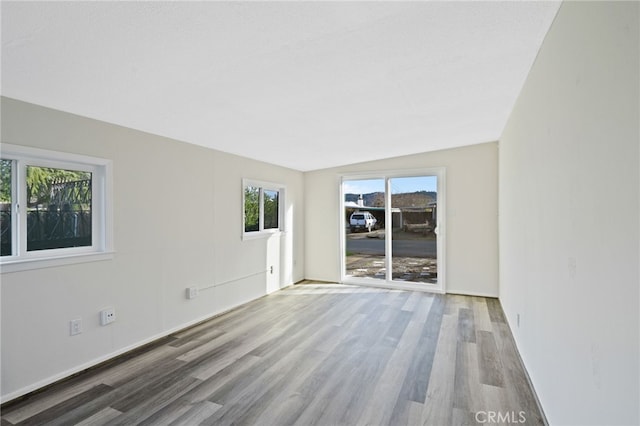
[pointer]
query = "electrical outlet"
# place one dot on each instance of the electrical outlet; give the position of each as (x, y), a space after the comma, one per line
(107, 316)
(75, 326)
(518, 320)
(192, 292)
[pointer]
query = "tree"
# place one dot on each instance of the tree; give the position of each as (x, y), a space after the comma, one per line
(251, 209)
(5, 181)
(40, 181)
(270, 209)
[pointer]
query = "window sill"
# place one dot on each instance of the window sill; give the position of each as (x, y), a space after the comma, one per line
(18, 265)
(260, 234)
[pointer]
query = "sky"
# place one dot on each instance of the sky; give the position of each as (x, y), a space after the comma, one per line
(398, 185)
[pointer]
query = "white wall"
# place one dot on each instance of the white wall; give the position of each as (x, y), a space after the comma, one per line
(178, 222)
(471, 215)
(569, 193)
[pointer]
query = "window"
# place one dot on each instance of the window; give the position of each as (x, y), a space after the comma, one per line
(262, 204)
(53, 208)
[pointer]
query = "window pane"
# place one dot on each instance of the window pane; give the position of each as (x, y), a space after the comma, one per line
(5, 207)
(364, 233)
(414, 243)
(58, 208)
(271, 210)
(251, 209)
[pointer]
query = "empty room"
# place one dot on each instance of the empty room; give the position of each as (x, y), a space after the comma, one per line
(329, 213)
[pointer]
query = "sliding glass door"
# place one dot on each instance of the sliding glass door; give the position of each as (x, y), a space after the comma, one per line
(393, 230)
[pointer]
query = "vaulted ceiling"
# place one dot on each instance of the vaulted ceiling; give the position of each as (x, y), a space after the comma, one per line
(306, 85)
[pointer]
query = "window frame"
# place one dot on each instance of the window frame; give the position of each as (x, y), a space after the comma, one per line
(262, 186)
(101, 247)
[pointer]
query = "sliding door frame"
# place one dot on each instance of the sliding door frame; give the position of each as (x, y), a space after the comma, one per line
(388, 282)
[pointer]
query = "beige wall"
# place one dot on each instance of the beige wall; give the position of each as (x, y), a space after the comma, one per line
(158, 183)
(569, 193)
(471, 215)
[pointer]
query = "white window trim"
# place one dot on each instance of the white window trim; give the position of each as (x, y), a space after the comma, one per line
(269, 186)
(102, 209)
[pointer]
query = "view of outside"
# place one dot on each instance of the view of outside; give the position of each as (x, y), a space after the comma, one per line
(251, 209)
(5, 207)
(271, 209)
(58, 208)
(413, 246)
(271, 218)
(365, 249)
(412, 231)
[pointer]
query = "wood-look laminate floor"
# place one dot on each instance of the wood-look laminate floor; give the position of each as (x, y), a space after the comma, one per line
(312, 354)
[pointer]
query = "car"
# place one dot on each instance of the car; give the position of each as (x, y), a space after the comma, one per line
(362, 220)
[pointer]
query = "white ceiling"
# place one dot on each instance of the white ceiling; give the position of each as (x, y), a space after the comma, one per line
(306, 85)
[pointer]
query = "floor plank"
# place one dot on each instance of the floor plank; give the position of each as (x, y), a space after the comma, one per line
(438, 405)
(311, 354)
(72, 410)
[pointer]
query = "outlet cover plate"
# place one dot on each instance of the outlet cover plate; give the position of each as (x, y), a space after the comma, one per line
(107, 316)
(75, 326)
(192, 292)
